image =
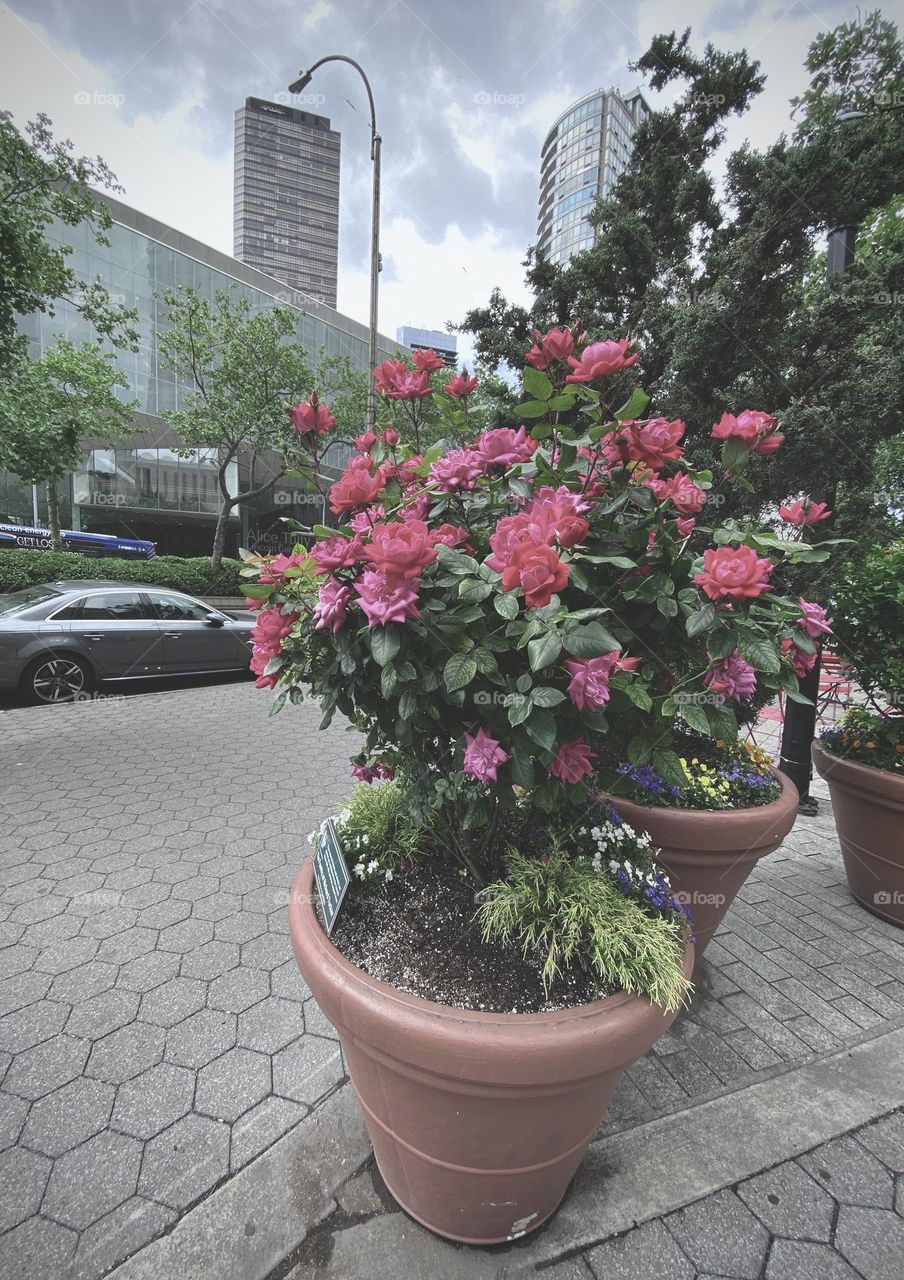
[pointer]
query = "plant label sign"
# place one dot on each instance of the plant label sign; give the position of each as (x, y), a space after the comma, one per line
(331, 873)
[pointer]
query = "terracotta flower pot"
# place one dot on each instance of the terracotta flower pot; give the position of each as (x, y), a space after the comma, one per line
(709, 854)
(478, 1120)
(869, 817)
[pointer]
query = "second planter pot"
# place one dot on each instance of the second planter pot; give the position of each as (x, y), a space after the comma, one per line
(709, 854)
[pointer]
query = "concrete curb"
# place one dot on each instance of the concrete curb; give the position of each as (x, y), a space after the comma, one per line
(256, 1219)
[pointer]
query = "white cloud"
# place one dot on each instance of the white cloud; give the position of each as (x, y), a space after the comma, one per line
(315, 15)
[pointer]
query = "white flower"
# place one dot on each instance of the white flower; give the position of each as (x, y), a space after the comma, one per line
(372, 866)
(358, 869)
(387, 875)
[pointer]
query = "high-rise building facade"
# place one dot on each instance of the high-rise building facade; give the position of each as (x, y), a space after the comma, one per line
(585, 151)
(286, 205)
(444, 344)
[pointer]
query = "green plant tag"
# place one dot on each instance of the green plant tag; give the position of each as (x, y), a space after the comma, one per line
(331, 873)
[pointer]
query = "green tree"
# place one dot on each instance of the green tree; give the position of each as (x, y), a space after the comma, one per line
(48, 405)
(243, 368)
(43, 181)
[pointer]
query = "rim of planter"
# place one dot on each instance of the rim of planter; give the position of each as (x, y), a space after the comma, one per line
(883, 783)
(562, 1044)
(714, 830)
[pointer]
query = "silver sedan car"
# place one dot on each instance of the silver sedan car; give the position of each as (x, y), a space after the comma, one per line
(60, 640)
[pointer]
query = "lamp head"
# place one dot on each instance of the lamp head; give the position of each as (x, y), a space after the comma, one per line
(846, 114)
(304, 79)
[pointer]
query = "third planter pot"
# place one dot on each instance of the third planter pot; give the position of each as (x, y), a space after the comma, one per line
(709, 854)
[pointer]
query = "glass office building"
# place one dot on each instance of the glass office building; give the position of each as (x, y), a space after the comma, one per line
(444, 344)
(585, 151)
(286, 211)
(145, 487)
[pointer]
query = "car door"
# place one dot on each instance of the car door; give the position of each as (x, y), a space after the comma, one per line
(191, 642)
(117, 631)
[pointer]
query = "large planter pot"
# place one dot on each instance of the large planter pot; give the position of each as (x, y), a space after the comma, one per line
(709, 855)
(869, 817)
(478, 1120)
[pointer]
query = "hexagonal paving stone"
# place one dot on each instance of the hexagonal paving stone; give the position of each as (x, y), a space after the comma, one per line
(93, 1179)
(210, 960)
(83, 983)
(12, 1117)
(154, 1100)
(126, 1053)
(112, 922)
(64, 956)
(37, 1250)
(238, 990)
(885, 1139)
(186, 936)
(200, 1038)
(66, 1117)
(217, 906)
(287, 982)
(146, 895)
(307, 1069)
(160, 915)
(29, 1026)
(97, 1017)
(230, 1085)
(241, 926)
(126, 946)
(269, 951)
(45, 1067)
(789, 1203)
(148, 971)
(24, 989)
(23, 1177)
(872, 1240)
(174, 1001)
(850, 1173)
(200, 886)
(647, 1251)
(721, 1232)
(121, 1233)
(260, 1127)
(315, 1021)
(271, 1025)
(803, 1260)
(47, 932)
(185, 1161)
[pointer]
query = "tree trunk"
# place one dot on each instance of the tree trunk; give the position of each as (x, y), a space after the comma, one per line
(53, 513)
(219, 537)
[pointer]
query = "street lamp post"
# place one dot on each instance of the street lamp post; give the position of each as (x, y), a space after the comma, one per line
(799, 728)
(376, 142)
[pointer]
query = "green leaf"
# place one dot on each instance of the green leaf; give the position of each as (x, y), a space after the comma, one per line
(536, 384)
(506, 604)
(389, 678)
(542, 431)
(407, 704)
(761, 653)
(667, 606)
(702, 620)
(519, 708)
(472, 590)
(523, 773)
(638, 750)
(735, 455)
(384, 643)
(720, 643)
(796, 696)
(542, 728)
(258, 591)
(669, 767)
(546, 696)
(694, 715)
(722, 722)
(524, 682)
(459, 671)
(531, 409)
(591, 640)
(638, 695)
(634, 406)
(544, 650)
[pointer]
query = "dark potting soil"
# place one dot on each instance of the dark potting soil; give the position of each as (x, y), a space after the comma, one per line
(418, 934)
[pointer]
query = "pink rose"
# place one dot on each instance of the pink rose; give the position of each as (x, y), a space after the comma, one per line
(572, 761)
(337, 553)
(555, 344)
(386, 597)
(450, 535)
(655, 442)
(483, 756)
(311, 416)
(685, 526)
(537, 570)
(505, 447)
(365, 442)
(511, 532)
(734, 573)
(460, 385)
(401, 548)
(813, 620)
(801, 661)
(331, 608)
(426, 361)
(589, 684)
(396, 381)
(732, 677)
(729, 427)
(364, 521)
(390, 437)
(680, 490)
(456, 471)
(600, 360)
(803, 512)
(274, 570)
(357, 488)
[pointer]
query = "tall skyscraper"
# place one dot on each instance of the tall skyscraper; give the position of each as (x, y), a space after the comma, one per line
(286, 208)
(444, 344)
(585, 151)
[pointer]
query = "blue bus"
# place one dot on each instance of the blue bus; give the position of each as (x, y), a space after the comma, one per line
(20, 537)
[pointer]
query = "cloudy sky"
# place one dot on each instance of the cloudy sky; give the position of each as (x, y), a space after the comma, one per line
(465, 89)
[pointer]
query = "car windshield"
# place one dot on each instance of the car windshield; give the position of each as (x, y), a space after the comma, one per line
(26, 598)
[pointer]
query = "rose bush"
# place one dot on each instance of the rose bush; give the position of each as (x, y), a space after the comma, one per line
(496, 618)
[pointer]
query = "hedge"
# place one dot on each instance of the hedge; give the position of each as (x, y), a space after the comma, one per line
(29, 568)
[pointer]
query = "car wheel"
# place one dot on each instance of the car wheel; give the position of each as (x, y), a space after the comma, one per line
(59, 677)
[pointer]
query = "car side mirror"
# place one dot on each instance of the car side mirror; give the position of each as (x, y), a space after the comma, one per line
(214, 620)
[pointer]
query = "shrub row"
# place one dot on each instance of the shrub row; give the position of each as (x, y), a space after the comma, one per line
(29, 568)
